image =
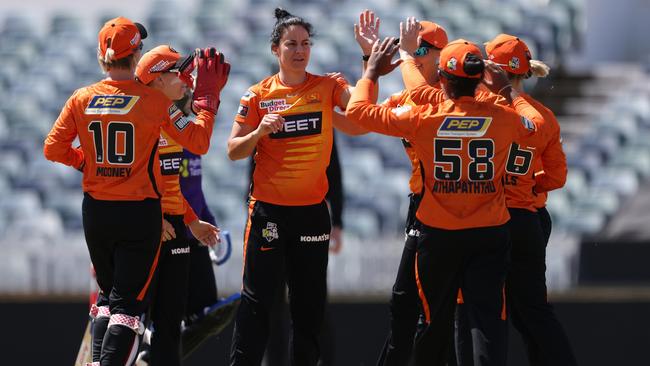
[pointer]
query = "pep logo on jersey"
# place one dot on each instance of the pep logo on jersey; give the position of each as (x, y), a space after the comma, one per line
(111, 104)
(170, 164)
(464, 126)
(297, 125)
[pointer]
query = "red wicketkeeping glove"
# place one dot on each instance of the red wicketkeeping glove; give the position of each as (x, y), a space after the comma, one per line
(211, 76)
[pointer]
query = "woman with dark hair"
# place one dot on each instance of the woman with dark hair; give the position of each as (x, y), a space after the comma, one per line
(287, 119)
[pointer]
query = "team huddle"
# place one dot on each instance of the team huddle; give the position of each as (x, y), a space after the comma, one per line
(484, 155)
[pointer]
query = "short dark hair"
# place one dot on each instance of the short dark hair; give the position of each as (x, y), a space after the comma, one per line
(462, 87)
(284, 20)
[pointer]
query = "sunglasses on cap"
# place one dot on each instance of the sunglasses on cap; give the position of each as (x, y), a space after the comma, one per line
(421, 51)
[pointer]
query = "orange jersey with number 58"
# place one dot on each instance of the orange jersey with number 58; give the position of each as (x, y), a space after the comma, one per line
(463, 146)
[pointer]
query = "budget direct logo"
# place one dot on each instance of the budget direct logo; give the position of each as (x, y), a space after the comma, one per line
(298, 125)
(464, 126)
(275, 105)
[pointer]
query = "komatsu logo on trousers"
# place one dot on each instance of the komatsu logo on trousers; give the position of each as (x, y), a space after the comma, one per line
(314, 238)
(185, 250)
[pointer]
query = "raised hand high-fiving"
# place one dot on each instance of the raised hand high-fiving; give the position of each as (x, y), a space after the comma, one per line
(381, 59)
(409, 36)
(366, 33)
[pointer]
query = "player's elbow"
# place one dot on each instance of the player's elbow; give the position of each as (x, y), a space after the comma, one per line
(353, 112)
(234, 153)
(50, 153)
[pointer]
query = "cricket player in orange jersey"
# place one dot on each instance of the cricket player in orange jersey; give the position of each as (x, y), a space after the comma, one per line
(288, 120)
(463, 240)
(118, 122)
(404, 303)
(529, 309)
(160, 68)
(423, 93)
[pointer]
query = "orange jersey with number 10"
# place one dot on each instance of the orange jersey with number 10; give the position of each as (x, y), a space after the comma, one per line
(463, 146)
(290, 165)
(118, 124)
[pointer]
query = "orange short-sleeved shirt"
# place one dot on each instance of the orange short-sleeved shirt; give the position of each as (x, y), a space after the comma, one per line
(290, 165)
(118, 124)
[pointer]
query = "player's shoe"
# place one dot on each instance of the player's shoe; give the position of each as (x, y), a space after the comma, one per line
(213, 320)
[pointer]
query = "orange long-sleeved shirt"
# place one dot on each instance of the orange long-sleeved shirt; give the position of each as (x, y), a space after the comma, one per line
(463, 145)
(519, 178)
(118, 124)
(171, 155)
(395, 101)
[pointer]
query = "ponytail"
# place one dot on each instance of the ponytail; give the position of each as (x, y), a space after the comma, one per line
(539, 69)
(283, 20)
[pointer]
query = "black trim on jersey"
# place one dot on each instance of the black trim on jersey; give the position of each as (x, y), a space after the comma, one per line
(421, 177)
(150, 167)
(251, 172)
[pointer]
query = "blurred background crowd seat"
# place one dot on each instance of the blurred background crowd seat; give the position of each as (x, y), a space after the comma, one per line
(604, 115)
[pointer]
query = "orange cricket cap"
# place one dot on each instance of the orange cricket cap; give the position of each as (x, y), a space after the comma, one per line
(155, 62)
(510, 52)
(122, 36)
(433, 35)
(463, 59)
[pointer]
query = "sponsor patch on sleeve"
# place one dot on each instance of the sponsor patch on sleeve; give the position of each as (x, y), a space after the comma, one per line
(243, 110)
(174, 112)
(456, 126)
(181, 123)
(111, 104)
(528, 124)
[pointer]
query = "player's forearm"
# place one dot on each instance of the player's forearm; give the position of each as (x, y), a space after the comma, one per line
(61, 153)
(370, 116)
(198, 136)
(416, 84)
(242, 147)
(555, 169)
(189, 216)
(411, 75)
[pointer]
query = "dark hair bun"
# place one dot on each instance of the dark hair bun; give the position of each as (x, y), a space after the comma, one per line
(281, 14)
(473, 65)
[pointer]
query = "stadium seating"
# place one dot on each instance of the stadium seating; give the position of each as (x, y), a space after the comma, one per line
(41, 201)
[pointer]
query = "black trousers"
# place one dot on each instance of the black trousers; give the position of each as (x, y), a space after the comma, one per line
(278, 240)
(404, 302)
(545, 221)
(474, 260)
(531, 314)
(202, 290)
(123, 239)
(170, 297)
